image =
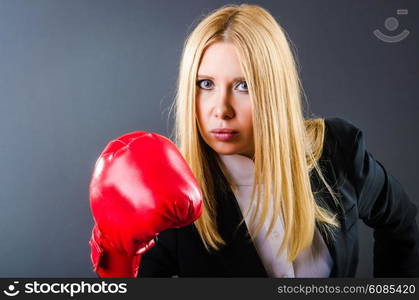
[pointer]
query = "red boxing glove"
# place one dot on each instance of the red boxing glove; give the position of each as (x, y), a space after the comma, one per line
(141, 186)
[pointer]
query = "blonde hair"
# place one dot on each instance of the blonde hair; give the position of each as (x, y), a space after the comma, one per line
(287, 146)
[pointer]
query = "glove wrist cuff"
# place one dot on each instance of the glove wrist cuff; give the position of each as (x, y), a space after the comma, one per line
(109, 262)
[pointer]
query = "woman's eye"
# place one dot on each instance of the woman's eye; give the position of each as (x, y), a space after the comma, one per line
(206, 84)
(244, 85)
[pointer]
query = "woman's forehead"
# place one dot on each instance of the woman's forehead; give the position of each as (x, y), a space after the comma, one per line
(220, 60)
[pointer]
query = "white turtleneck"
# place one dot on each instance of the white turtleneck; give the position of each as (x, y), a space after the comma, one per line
(314, 261)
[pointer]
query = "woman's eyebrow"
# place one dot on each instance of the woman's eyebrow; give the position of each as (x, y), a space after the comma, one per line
(207, 76)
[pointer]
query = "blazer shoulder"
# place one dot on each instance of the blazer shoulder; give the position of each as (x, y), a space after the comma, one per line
(344, 131)
(341, 138)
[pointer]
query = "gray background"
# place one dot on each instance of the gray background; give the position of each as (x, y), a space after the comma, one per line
(75, 74)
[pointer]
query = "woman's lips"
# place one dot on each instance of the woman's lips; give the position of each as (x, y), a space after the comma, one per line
(224, 136)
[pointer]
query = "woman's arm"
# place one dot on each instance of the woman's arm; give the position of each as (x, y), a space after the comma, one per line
(383, 205)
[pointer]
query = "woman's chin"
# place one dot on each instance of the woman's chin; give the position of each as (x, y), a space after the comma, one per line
(226, 150)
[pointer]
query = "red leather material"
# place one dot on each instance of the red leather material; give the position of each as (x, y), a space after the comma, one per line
(140, 186)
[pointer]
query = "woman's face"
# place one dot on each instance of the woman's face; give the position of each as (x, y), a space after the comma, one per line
(223, 102)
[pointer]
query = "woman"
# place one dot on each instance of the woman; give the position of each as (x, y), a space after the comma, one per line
(240, 127)
(281, 193)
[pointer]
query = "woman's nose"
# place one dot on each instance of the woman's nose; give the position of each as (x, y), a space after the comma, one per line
(223, 107)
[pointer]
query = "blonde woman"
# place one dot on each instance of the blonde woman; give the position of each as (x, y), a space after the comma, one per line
(281, 194)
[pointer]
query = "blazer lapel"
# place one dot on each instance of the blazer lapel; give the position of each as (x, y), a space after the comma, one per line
(239, 256)
(337, 246)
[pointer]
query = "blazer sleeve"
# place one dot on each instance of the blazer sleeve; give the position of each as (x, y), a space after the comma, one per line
(383, 205)
(161, 259)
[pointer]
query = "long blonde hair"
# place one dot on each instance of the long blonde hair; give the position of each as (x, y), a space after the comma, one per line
(287, 146)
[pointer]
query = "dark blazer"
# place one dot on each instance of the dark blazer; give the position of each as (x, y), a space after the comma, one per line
(367, 192)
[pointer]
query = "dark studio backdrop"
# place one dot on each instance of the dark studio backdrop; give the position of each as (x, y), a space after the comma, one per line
(75, 74)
